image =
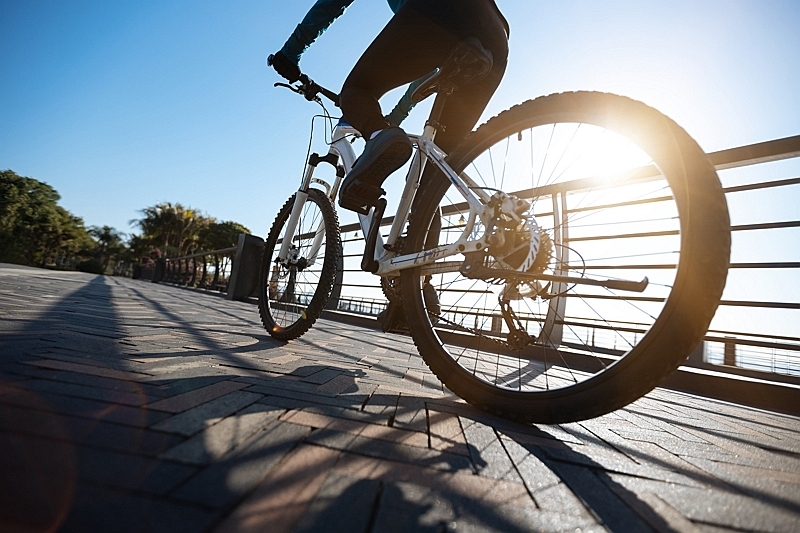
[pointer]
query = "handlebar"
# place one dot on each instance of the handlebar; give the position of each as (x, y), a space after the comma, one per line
(310, 89)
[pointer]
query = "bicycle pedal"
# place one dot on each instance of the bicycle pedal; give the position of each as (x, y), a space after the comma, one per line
(368, 262)
(360, 197)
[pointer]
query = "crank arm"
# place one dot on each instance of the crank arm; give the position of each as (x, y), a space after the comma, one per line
(480, 272)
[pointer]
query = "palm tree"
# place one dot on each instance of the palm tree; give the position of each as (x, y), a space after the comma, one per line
(109, 243)
(171, 224)
(216, 236)
(158, 222)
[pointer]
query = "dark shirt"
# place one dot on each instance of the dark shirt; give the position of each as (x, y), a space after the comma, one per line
(317, 20)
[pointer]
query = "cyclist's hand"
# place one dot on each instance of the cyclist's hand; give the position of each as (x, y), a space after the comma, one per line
(284, 67)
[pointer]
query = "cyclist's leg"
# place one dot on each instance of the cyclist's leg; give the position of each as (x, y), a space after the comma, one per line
(417, 40)
(409, 47)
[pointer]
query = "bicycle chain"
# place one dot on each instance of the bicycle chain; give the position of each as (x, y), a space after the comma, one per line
(504, 344)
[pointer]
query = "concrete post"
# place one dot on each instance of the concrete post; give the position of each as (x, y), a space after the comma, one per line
(244, 273)
(698, 355)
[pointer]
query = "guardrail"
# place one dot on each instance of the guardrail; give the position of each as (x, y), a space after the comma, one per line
(743, 350)
(195, 270)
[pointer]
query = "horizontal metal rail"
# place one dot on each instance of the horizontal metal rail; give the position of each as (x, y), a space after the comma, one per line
(178, 271)
(221, 251)
(754, 154)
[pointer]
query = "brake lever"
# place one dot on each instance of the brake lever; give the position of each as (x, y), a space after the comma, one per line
(310, 90)
(307, 90)
(292, 88)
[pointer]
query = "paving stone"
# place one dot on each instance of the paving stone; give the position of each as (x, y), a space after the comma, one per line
(594, 493)
(105, 509)
(487, 453)
(152, 392)
(22, 396)
(286, 403)
(463, 484)
(347, 413)
(322, 376)
(190, 422)
(280, 500)
(272, 382)
(38, 479)
(370, 431)
(350, 400)
(223, 483)
(282, 359)
(129, 471)
(410, 507)
(41, 386)
(338, 385)
(187, 400)
(389, 450)
(101, 434)
(382, 405)
(173, 387)
(446, 434)
(326, 513)
(715, 507)
(223, 435)
(411, 413)
(81, 424)
(534, 473)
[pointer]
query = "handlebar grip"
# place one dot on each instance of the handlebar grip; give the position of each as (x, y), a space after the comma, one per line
(330, 95)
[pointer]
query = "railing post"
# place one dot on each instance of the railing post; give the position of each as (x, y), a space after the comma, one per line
(194, 272)
(698, 355)
(553, 327)
(336, 293)
(203, 283)
(729, 358)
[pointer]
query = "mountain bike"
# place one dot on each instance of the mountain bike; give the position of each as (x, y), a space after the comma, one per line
(558, 264)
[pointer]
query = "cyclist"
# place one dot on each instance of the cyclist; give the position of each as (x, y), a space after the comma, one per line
(416, 41)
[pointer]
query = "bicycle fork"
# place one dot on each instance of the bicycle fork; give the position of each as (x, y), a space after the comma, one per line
(301, 196)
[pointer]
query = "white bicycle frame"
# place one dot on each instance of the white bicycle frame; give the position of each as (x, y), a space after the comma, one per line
(389, 264)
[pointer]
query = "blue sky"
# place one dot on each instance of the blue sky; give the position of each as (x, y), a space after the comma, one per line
(120, 105)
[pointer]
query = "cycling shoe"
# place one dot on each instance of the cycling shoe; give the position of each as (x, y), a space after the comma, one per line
(384, 154)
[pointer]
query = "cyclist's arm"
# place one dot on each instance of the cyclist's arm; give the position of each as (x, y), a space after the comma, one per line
(317, 20)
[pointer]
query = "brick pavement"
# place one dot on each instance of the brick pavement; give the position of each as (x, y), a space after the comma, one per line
(130, 406)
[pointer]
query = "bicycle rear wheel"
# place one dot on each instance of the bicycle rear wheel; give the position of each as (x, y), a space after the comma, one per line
(292, 294)
(619, 191)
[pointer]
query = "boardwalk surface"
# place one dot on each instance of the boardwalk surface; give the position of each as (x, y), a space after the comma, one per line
(130, 406)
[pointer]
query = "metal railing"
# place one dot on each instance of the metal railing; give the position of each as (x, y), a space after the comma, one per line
(195, 270)
(743, 351)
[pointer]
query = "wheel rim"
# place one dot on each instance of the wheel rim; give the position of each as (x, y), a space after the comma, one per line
(597, 231)
(290, 288)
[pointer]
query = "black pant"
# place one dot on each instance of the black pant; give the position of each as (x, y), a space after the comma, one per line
(416, 40)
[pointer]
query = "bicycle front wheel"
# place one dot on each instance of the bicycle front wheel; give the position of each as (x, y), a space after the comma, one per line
(293, 292)
(619, 193)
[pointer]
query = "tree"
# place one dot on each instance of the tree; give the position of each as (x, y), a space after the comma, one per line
(217, 236)
(109, 244)
(34, 229)
(173, 227)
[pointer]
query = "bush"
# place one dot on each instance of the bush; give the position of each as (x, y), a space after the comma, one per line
(92, 266)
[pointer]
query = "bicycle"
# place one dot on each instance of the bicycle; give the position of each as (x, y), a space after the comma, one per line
(541, 312)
